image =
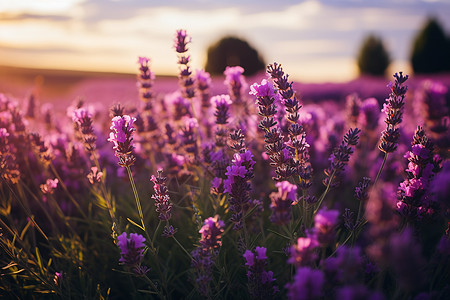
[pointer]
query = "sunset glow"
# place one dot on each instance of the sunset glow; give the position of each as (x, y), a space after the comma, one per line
(320, 38)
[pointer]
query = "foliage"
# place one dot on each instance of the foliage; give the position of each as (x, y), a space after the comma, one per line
(373, 58)
(431, 49)
(233, 51)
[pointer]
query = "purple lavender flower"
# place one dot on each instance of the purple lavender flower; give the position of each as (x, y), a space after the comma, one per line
(8, 166)
(82, 119)
(307, 284)
(369, 115)
(211, 233)
(121, 135)
(346, 266)
(393, 108)
(303, 253)
(281, 202)
(407, 261)
(414, 203)
(145, 81)
(203, 256)
(353, 105)
(273, 137)
(236, 82)
(265, 89)
(222, 104)
(237, 186)
(131, 252)
(161, 196)
(325, 222)
(203, 83)
(354, 292)
(341, 155)
(189, 137)
(181, 41)
(361, 191)
(260, 281)
(49, 186)
(202, 265)
(185, 79)
(431, 110)
(94, 175)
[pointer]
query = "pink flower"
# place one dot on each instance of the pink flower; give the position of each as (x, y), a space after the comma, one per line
(49, 186)
(143, 60)
(265, 89)
(211, 232)
(303, 253)
(221, 100)
(94, 175)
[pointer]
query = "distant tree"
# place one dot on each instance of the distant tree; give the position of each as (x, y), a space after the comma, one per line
(431, 49)
(232, 51)
(373, 59)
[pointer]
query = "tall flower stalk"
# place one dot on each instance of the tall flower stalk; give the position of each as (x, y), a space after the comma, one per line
(393, 108)
(185, 78)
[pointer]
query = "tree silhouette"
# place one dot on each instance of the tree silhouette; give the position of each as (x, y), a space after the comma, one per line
(232, 51)
(373, 58)
(431, 49)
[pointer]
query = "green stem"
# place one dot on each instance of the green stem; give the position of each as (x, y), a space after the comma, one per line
(136, 197)
(381, 168)
(319, 203)
(182, 248)
(156, 231)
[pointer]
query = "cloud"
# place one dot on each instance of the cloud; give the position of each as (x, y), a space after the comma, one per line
(7, 17)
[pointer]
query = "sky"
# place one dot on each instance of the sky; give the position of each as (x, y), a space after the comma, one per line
(314, 40)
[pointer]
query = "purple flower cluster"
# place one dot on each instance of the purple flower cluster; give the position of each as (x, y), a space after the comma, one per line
(341, 155)
(145, 80)
(393, 108)
(297, 144)
(260, 281)
(131, 252)
(323, 234)
(161, 196)
(414, 203)
(189, 136)
(121, 136)
(274, 144)
(8, 165)
(325, 222)
(82, 119)
(203, 257)
(221, 104)
(431, 110)
(236, 82)
(282, 201)
(237, 186)
(307, 285)
(186, 81)
(211, 233)
(203, 83)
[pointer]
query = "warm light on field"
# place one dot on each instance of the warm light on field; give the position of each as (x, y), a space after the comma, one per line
(320, 37)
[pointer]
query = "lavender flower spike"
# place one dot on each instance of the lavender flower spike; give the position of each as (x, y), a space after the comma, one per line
(394, 114)
(122, 130)
(260, 281)
(282, 201)
(131, 252)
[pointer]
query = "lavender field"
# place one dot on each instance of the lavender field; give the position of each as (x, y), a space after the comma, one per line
(229, 187)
